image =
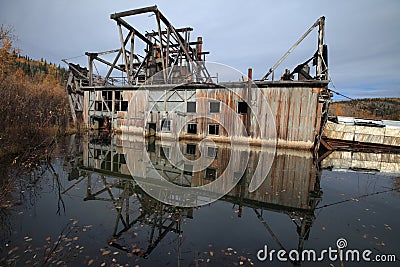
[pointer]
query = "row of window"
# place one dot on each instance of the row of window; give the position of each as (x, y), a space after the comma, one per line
(213, 129)
(121, 105)
(212, 152)
(107, 100)
(215, 107)
(210, 173)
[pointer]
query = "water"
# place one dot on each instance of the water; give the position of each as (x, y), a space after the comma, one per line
(84, 209)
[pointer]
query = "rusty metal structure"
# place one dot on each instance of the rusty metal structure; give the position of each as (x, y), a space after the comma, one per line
(169, 78)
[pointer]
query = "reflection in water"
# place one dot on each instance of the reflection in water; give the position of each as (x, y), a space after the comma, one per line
(292, 186)
(109, 220)
(363, 161)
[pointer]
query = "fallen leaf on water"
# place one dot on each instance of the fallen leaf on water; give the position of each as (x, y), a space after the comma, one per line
(211, 253)
(13, 250)
(103, 264)
(75, 238)
(90, 262)
(106, 252)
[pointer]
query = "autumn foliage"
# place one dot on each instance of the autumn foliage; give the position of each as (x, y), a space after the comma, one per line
(368, 108)
(32, 99)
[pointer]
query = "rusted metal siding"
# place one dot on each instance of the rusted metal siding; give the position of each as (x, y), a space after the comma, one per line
(297, 115)
(295, 111)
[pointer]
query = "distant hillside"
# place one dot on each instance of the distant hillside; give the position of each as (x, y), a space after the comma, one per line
(369, 108)
(33, 68)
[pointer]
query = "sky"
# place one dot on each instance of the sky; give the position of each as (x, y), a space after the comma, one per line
(362, 36)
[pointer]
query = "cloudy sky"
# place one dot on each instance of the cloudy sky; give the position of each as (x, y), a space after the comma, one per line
(362, 36)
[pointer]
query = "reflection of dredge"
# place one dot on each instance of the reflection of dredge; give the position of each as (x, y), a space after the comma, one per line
(161, 219)
(292, 187)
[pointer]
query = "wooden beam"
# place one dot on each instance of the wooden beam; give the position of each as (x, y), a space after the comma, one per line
(161, 46)
(134, 12)
(132, 53)
(151, 34)
(137, 33)
(320, 48)
(108, 63)
(115, 60)
(121, 39)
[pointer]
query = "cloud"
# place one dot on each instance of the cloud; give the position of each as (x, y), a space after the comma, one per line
(363, 39)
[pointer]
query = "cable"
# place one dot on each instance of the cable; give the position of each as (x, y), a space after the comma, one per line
(331, 80)
(74, 57)
(336, 92)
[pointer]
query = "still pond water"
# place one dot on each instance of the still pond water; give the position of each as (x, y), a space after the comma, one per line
(83, 208)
